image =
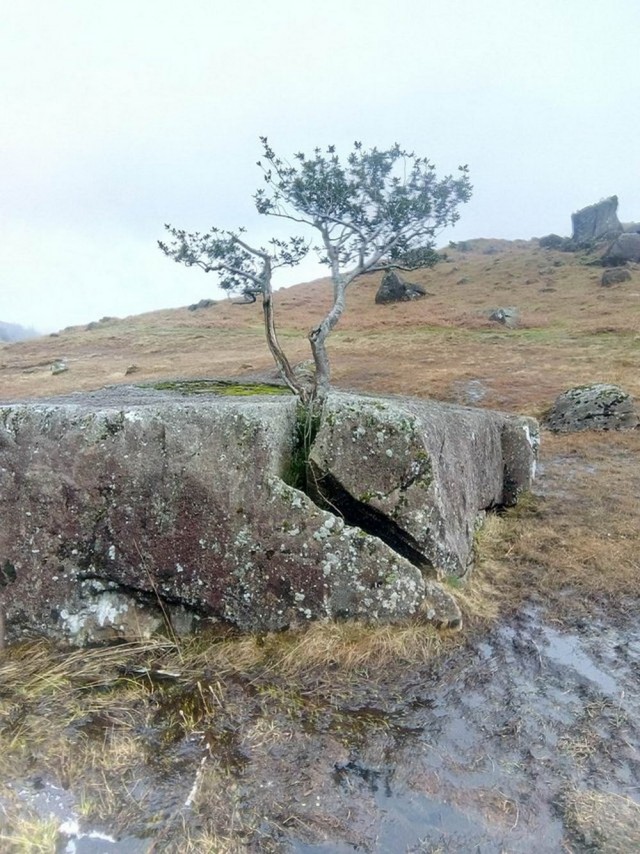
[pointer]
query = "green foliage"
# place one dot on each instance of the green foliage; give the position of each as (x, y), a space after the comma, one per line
(306, 429)
(375, 207)
(375, 204)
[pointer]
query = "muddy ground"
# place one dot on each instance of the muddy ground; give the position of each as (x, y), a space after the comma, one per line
(520, 734)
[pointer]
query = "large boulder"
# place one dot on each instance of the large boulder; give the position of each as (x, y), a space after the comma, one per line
(393, 288)
(600, 406)
(127, 511)
(625, 248)
(596, 221)
(420, 475)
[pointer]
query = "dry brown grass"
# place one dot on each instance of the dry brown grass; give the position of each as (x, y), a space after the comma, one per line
(573, 331)
(603, 822)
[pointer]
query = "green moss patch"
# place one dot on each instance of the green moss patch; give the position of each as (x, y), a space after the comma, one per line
(225, 387)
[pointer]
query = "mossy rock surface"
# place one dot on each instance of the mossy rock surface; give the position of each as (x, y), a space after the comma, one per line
(599, 406)
(231, 388)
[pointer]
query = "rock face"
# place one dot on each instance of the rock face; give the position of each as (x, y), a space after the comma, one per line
(625, 248)
(420, 475)
(600, 406)
(394, 289)
(595, 221)
(614, 277)
(120, 514)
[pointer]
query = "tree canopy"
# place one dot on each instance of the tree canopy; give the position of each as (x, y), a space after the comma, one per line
(375, 208)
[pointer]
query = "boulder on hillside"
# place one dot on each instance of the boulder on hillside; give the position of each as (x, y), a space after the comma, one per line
(596, 221)
(625, 248)
(600, 406)
(614, 277)
(506, 316)
(124, 509)
(393, 288)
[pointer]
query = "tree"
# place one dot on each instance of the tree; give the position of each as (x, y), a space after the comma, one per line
(378, 208)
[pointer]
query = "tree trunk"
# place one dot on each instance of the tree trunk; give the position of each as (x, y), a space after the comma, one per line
(279, 356)
(318, 337)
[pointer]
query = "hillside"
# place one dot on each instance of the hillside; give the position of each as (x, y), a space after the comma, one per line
(572, 331)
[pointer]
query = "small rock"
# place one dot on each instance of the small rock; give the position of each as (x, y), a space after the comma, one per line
(132, 369)
(600, 406)
(395, 289)
(203, 303)
(614, 277)
(59, 367)
(507, 316)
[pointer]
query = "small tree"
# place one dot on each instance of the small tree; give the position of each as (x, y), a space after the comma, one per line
(378, 208)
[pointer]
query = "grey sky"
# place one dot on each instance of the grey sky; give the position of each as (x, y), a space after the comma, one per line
(119, 116)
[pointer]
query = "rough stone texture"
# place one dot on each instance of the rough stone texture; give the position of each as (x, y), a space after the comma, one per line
(595, 221)
(600, 406)
(507, 316)
(614, 277)
(124, 511)
(420, 474)
(625, 248)
(394, 289)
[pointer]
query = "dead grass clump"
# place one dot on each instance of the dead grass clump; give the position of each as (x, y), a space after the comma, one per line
(27, 833)
(602, 821)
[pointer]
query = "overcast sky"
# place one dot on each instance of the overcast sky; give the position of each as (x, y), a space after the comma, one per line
(117, 116)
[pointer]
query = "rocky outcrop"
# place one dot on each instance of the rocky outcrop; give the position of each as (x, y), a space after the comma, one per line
(596, 221)
(600, 406)
(127, 511)
(625, 248)
(393, 288)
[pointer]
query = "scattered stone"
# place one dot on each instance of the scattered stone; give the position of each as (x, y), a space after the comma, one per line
(395, 289)
(625, 248)
(508, 316)
(463, 281)
(59, 367)
(132, 369)
(596, 221)
(600, 406)
(614, 277)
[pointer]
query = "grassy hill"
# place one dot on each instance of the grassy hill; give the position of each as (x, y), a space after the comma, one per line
(572, 331)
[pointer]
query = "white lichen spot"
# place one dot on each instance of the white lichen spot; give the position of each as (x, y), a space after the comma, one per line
(179, 568)
(112, 552)
(389, 452)
(298, 597)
